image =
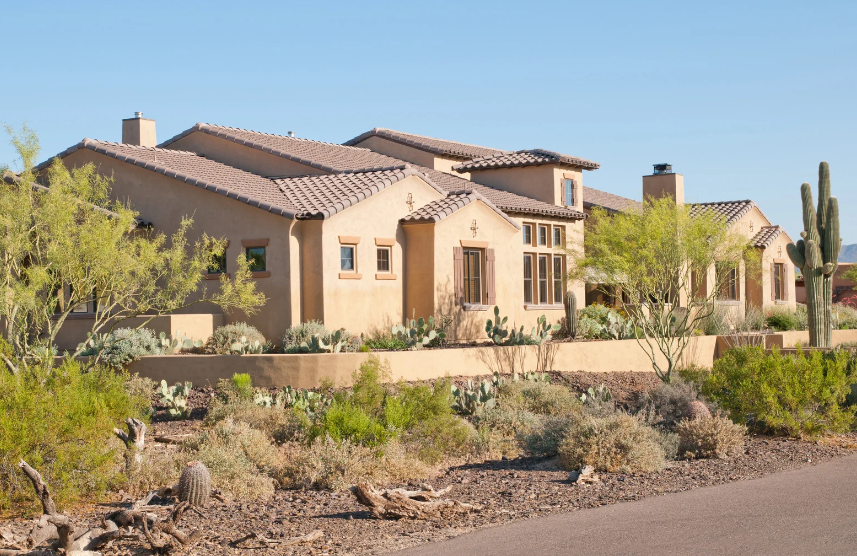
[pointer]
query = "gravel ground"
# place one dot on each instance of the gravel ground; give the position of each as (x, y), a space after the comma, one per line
(509, 490)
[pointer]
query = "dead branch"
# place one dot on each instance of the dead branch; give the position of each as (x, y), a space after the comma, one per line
(302, 539)
(171, 439)
(65, 529)
(400, 503)
(48, 506)
(135, 438)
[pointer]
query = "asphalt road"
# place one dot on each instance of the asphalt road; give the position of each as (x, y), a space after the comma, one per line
(812, 510)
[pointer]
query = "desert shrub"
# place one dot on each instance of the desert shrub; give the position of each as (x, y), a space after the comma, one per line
(754, 320)
(280, 425)
(510, 422)
(124, 345)
(669, 401)
(61, 422)
(544, 440)
(618, 443)
(296, 335)
(718, 323)
(386, 342)
(714, 437)
(596, 321)
(141, 388)
(242, 385)
(542, 398)
(844, 316)
(241, 459)
(802, 316)
(783, 319)
(221, 341)
(439, 437)
(797, 395)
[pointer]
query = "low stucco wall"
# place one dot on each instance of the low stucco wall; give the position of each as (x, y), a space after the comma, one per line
(198, 326)
(308, 370)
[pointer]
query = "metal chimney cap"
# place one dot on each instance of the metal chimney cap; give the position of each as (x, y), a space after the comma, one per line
(291, 133)
(663, 168)
(138, 115)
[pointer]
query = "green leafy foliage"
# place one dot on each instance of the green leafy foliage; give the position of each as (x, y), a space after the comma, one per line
(383, 343)
(473, 398)
(598, 321)
(615, 443)
(800, 395)
(418, 333)
(301, 333)
(225, 338)
(175, 398)
(178, 343)
(61, 421)
(122, 346)
(783, 319)
(242, 385)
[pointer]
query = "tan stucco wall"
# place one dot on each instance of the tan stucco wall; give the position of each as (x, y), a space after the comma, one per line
(307, 371)
(412, 154)
(537, 182)
(195, 326)
(165, 201)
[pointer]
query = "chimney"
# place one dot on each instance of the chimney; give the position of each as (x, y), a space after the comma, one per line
(663, 182)
(139, 131)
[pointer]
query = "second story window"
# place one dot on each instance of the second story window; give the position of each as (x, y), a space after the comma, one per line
(543, 235)
(569, 192)
(383, 259)
(346, 258)
(256, 258)
(557, 237)
(218, 264)
(528, 234)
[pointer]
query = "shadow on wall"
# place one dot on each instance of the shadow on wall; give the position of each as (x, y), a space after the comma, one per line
(466, 325)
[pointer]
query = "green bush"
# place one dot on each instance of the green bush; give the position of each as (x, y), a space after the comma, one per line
(221, 341)
(799, 395)
(545, 439)
(304, 332)
(844, 317)
(714, 437)
(618, 443)
(61, 422)
(242, 384)
(386, 342)
(541, 398)
(600, 321)
(783, 319)
(124, 345)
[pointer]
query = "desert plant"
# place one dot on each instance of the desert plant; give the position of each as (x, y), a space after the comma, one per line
(122, 346)
(388, 342)
(669, 402)
(799, 395)
(301, 333)
(303, 400)
(619, 442)
(844, 317)
(538, 397)
(179, 342)
(571, 318)
(711, 437)
(717, 323)
(697, 410)
(225, 338)
(817, 255)
(542, 331)
(195, 484)
(473, 399)
(242, 385)
(418, 333)
(545, 439)
(782, 319)
(175, 398)
(598, 401)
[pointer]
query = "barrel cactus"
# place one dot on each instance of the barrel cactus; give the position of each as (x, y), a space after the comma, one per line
(195, 484)
(817, 255)
(571, 314)
(697, 410)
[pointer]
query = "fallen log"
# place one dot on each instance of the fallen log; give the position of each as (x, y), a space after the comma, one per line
(408, 504)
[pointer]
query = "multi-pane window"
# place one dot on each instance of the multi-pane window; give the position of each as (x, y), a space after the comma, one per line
(383, 259)
(543, 279)
(557, 237)
(528, 278)
(346, 258)
(543, 235)
(217, 264)
(569, 192)
(473, 276)
(528, 234)
(256, 258)
(727, 277)
(779, 284)
(558, 271)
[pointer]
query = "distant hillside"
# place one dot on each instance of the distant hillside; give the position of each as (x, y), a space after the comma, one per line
(848, 254)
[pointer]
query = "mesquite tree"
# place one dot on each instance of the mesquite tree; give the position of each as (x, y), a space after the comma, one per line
(817, 255)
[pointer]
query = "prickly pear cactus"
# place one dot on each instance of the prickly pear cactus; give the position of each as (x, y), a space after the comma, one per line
(697, 410)
(571, 314)
(817, 255)
(195, 484)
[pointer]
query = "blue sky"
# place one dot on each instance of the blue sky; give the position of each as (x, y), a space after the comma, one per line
(743, 98)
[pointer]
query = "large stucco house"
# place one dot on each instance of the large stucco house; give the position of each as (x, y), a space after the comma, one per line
(385, 226)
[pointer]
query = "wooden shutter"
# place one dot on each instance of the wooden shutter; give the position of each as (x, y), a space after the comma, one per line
(786, 282)
(458, 274)
(562, 193)
(773, 281)
(573, 191)
(489, 276)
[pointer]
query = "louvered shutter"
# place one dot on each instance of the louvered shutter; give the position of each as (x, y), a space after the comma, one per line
(786, 282)
(562, 193)
(458, 274)
(773, 281)
(489, 276)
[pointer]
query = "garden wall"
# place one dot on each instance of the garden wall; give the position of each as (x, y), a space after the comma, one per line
(307, 370)
(197, 326)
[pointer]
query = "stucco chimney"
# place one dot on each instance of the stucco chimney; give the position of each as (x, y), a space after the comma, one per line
(139, 131)
(663, 182)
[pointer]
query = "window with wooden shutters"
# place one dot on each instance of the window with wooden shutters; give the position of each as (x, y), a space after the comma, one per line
(473, 276)
(458, 274)
(778, 282)
(528, 278)
(490, 291)
(568, 192)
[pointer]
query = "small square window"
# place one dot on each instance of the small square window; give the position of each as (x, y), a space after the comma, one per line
(346, 258)
(557, 237)
(383, 259)
(543, 235)
(256, 259)
(528, 234)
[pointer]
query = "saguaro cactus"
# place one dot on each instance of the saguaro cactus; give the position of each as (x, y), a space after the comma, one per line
(571, 314)
(817, 255)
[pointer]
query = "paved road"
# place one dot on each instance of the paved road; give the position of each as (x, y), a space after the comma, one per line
(812, 510)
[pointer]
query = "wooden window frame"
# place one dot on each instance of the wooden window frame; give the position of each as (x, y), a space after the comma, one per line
(558, 281)
(539, 230)
(472, 254)
(354, 273)
(528, 258)
(545, 280)
(527, 229)
(561, 230)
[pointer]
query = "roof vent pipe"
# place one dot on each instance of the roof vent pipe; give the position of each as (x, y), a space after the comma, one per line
(138, 114)
(291, 134)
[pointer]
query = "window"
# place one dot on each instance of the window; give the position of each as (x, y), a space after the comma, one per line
(383, 259)
(543, 235)
(528, 234)
(569, 192)
(256, 258)
(543, 279)
(558, 271)
(473, 276)
(557, 237)
(779, 284)
(528, 278)
(217, 264)
(727, 277)
(346, 258)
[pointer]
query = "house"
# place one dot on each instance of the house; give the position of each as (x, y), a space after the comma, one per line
(364, 234)
(740, 289)
(843, 288)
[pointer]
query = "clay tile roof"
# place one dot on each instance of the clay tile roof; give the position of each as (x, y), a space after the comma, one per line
(441, 208)
(532, 157)
(766, 236)
(610, 202)
(732, 211)
(196, 170)
(328, 157)
(322, 196)
(428, 144)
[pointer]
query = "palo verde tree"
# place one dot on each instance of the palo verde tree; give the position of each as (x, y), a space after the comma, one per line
(817, 255)
(654, 257)
(64, 243)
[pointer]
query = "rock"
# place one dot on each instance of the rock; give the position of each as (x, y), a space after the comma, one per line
(584, 476)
